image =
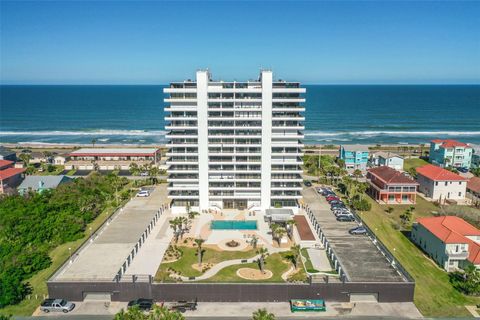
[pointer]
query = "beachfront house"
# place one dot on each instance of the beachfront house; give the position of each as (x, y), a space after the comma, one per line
(41, 183)
(10, 177)
(389, 186)
(440, 184)
(111, 158)
(388, 159)
(61, 159)
(446, 153)
(449, 240)
(473, 190)
(354, 156)
(7, 154)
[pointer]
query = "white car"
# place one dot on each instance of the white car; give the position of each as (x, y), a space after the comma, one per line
(143, 193)
(144, 174)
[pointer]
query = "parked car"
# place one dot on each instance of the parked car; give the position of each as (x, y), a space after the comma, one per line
(342, 212)
(57, 305)
(142, 304)
(330, 199)
(337, 203)
(463, 170)
(345, 218)
(320, 189)
(143, 193)
(144, 174)
(358, 230)
(307, 183)
(328, 192)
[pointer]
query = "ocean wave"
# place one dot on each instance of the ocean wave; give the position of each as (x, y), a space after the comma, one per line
(391, 133)
(100, 132)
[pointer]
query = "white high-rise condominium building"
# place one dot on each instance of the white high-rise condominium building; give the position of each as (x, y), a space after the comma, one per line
(234, 144)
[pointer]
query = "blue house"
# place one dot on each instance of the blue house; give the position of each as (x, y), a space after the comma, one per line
(450, 153)
(354, 156)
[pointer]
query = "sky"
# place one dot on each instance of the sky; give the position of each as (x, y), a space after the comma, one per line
(156, 42)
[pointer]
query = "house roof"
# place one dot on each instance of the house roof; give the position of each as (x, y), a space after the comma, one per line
(390, 175)
(4, 163)
(452, 229)
(436, 173)
(49, 182)
(387, 155)
(474, 184)
(355, 147)
(5, 152)
(10, 172)
(105, 152)
(448, 143)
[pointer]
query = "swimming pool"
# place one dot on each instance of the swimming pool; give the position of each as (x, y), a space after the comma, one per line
(233, 225)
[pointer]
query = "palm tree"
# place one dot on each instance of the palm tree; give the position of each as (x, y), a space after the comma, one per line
(153, 172)
(421, 149)
(357, 173)
(174, 224)
(290, 224)
(254, 242)
(94, 140)
(162, 313)
(134, 169)
(199, 243)
(25, 157)
(295, 255)
(263, 253)
(279, 234)
(263, 314)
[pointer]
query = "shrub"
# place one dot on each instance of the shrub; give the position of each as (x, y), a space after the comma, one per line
(361, 204)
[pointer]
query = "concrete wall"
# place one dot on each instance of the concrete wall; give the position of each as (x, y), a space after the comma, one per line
(125, 291)
(455, 190)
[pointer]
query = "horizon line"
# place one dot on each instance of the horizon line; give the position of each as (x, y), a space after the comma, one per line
(303, 83)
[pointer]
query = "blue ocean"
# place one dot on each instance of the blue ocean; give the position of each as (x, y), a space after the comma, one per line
(366, 114)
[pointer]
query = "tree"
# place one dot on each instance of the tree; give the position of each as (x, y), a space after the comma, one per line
(289, 225)
(176, 225)
(199, 243)
(94, 140)
(357, 173)
(162, 313)
(134, 169)
(389, 210)
(466, 281)
(25, 157)
(263, 314)
(295, 255)
(263, 253)
(254, 242)
(153, 172)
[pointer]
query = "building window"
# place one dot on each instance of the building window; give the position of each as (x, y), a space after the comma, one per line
(459, 194)
(446, 183)
(436, 183)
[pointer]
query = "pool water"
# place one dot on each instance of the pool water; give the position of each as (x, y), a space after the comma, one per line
(233, 225)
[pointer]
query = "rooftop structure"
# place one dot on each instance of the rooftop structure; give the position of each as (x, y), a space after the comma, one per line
(10, 177)
(388, 159)
(449, 240)
(436, 173)
(6, 164)
(355, 157)
(234, 144)
(114, 152)
(450, 153)
(7, 154)
(388, 185)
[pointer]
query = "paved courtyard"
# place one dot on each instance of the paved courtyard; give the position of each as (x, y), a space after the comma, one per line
(362, 261)
(103, 257)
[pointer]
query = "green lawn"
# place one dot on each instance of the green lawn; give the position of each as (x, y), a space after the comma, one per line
(275, 263)
(189, 257)
(413, 163)
(434, 295)
(58, 255)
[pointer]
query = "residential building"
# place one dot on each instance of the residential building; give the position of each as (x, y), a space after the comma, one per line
(61, 159)
(354, 156)
(449, 240)
(440, 184)
(388, 159)
(10, 176)
(111, 158)
(450, 153)
(7, 154)
(41, 183)
(234, 144)
(473, 190)
(387, 185)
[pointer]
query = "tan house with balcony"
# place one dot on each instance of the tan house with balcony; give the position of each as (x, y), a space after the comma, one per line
(389, 186)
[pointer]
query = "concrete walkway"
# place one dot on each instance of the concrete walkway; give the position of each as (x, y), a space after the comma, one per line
(319, 259)
(151, 254)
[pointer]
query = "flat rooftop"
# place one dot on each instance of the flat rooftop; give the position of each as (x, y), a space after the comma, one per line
(114, 151)
(362, 261)
(102, 259)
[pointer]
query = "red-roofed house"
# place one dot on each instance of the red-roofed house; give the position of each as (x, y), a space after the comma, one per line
(451, 241)
(387, 185)
(440, 184)
(473, 189)
(450, 153)
(10, 177)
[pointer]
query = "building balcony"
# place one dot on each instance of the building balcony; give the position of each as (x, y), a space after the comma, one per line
(173, 100)
(180, 90)
(462, 255)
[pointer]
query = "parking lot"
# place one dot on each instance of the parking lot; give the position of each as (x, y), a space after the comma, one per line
(102, 258)
(361, 259)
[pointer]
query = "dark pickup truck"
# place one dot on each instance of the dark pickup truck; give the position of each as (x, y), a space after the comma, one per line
(57, 305)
